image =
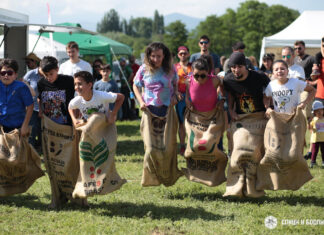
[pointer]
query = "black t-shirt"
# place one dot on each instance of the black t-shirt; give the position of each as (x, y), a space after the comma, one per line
(247, 94)
(307, 63)
(55, 98)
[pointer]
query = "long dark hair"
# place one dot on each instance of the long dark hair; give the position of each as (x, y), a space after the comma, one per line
(167, 60)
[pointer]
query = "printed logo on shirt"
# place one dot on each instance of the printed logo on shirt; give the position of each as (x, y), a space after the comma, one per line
(54, 105)
(281, 98)
(246, 103)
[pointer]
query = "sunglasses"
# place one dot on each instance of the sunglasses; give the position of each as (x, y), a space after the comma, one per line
(97, 66)
(286, 56)
(9, 72)
(297, 48)
(183, 53)
(196, 76)
(203, 42)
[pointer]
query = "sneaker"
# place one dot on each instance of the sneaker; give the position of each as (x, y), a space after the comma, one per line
(308, 155)
(312, 164)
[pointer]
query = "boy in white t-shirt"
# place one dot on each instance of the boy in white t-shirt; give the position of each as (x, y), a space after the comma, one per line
(74, 64)
(285, 92)
(91, 101)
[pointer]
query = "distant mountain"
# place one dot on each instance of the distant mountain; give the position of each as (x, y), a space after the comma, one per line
(190, 22)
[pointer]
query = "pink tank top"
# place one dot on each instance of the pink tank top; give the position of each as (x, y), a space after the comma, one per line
(203, 97)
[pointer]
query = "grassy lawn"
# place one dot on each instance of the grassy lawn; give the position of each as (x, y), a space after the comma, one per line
(185, 208)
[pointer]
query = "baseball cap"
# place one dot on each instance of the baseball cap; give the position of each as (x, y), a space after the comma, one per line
(317, 105)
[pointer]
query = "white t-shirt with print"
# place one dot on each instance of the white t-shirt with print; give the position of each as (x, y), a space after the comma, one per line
(285, 97)
(69, 68)
(99, 103)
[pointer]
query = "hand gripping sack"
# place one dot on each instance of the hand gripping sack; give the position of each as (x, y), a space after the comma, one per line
(60, 148)
(248, 149)
(283, 165)
(205, 162)
(97, 148)
(160, 144)
(20, 164)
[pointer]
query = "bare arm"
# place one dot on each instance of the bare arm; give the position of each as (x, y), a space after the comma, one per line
(231, 107)
(118, 103)
(75, 120)
(311, 94)
(24, 126)
(139, 97)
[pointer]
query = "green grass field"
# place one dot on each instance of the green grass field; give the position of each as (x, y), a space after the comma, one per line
(185, 208)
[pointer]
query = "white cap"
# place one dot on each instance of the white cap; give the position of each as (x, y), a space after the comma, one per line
(317, 105)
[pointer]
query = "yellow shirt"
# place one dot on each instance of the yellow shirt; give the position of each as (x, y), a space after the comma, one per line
(317, 130)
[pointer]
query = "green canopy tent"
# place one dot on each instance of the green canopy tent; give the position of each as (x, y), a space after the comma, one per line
(92, 44)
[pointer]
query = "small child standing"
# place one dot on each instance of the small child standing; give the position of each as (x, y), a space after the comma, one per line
(90, 101)
(16, 102)
(106, 84)
(317, 136)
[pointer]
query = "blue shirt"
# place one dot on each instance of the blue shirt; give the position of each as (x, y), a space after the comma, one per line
(14, 99)
(215, 57)
(32, 77)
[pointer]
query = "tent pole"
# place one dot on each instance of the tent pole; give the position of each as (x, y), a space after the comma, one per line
(5, 35)
(124, 77)
(40, 34)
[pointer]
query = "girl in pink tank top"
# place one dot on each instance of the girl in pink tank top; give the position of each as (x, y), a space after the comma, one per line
(202, 90)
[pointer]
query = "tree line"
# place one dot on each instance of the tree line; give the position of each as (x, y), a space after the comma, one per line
(249, 23)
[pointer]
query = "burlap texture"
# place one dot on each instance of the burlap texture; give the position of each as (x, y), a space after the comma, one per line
(205, 162)
(283, 165)
(160, 143)
(20, 164)
(60, 148)
(248, 150)
(97, 148)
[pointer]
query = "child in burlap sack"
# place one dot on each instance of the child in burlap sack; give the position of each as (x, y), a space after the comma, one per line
(97, 145)
(205, 124)
(283, 166)
(155, 88)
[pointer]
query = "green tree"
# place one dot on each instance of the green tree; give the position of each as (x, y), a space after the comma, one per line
(175, 35)
(256, 20)
(158, 23)
(141, 27)
(109, 23)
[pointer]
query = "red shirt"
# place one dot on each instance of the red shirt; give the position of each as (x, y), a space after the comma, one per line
(320, 83)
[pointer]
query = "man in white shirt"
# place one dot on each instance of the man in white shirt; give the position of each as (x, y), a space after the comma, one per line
(295, 70)
(74, 64)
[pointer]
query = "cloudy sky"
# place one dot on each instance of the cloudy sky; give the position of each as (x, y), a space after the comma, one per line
(89, 12)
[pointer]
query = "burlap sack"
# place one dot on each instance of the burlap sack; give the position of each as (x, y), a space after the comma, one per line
(160, 143)
(205, 162)
(60, 148)
(97, 150)
(283, 165)
(20, 164)
(248, 150)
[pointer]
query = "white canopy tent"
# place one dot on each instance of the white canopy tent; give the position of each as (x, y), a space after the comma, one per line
(42, 48)
(308, 27)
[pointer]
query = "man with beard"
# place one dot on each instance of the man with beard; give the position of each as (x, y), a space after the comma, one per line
(303, 59)
(204, 44)
(245, 87)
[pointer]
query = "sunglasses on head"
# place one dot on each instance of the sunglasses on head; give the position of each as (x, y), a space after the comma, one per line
(196, 76)
(9, 72)
(203, 42)
(297, 48)
(286, 56)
